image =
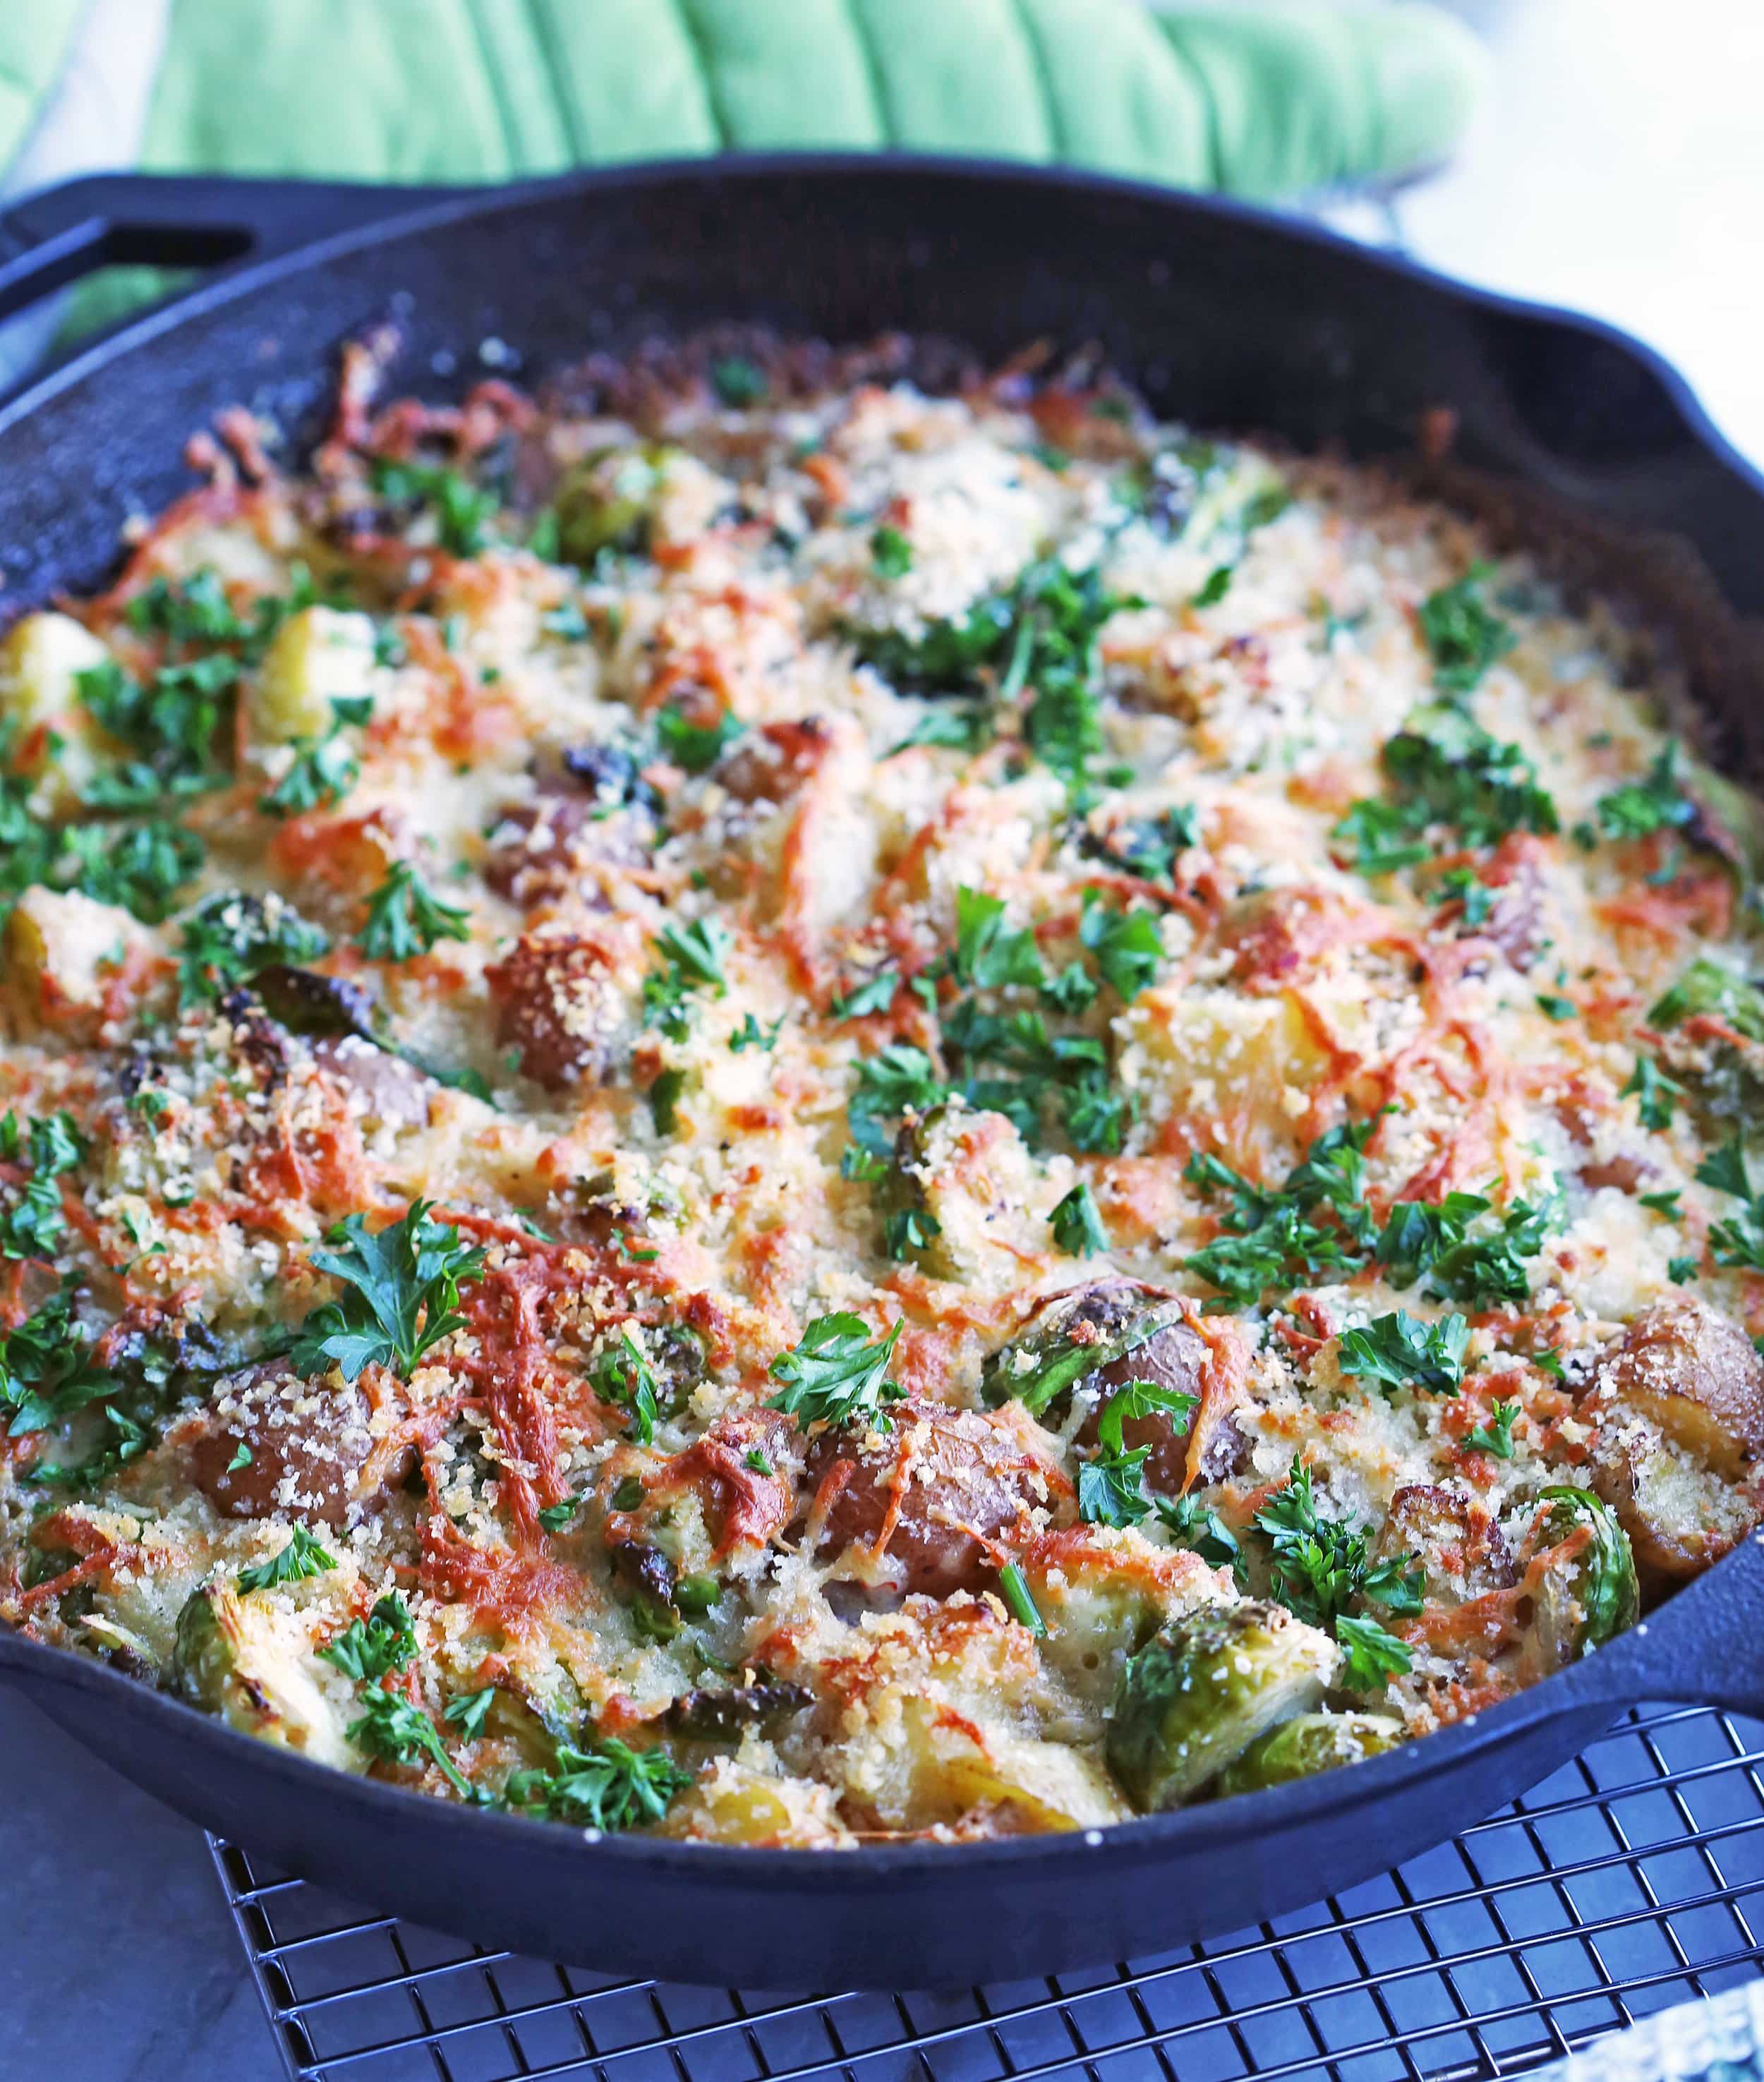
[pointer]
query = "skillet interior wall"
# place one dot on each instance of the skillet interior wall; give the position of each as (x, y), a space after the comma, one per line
(1226, 320)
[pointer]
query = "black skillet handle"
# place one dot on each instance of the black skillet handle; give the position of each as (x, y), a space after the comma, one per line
(53, 237)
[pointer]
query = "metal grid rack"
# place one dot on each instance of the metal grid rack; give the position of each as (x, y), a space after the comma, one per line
(1630, 1880)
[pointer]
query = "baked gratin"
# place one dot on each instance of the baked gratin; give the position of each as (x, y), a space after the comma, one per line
(774, 1106)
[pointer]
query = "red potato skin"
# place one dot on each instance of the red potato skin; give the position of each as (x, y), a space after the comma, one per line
(317, 1434)
(544, 991)
(939, 1497)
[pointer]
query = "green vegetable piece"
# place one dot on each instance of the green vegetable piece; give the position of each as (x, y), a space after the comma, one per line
(1074, 1336)
(228, 1659)
(1306, 1745)
(401, 1294)
(303, 1556)
(1464, 637)
(1399, 1352)
(1595, 1596)
(406, 918)
(836, 1373)
(1203, 1690)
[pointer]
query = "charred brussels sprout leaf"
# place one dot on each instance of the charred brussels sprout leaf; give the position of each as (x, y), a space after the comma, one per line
(229, 1660)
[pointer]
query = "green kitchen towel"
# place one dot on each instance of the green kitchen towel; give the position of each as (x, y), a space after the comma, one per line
(1256, 99)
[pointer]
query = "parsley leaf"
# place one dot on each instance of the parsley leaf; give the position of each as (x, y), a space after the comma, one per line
(34, 1224)
(1397, 1350)
(693, 747)
(622, 1374)
(1656, 803)
(1140, 1398)
(834, 1373)
(230, 936)
(694, 955)
(1464, 637)
(1078, 1227)
(1111, 1489)
(406, 918)
(1320, 1565)
(1496, 1437)
(1127, 945)
(401, 1297)
(1374, 1655)
(1196, 1525)
(386, 1640)
(891, 553)
(462, 510)
(1738, 1241)
(46, 1365)
(986, 956)
(303, 1557)
(1447, 770)
(608, 1786)
(1382, 838)
(1653, 1092)
(875, 993)
(470, 1710)
(391, 1727)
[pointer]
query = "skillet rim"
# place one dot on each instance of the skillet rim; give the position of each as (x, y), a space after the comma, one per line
(1595, 1684)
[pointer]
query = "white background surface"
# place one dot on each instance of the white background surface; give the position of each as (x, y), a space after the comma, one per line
(1617, 166)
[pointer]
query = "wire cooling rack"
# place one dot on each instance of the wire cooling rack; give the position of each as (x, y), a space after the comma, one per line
(1632, 1879)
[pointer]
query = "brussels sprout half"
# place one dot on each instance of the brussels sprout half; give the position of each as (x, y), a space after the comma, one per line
(1204, 1689)
(230, 1660)
(1072, 1337)
(1594, 1596)
(1306, 1745)
(606, 502)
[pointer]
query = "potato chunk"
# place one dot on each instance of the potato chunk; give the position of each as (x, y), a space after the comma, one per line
(41, 659)
(1679, 1413)
(318, 655)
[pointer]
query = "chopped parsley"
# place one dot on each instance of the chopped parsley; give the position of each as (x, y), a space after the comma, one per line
(1374, 1655)
(1127, 945)
(462, 510)
(390, 1726)
(1738, 1241)
(1658, 803)
(470, 1710)
(304, 1555)
(1400, 1350)
(751, 1034)
(694, 955)
(608, 1785)
(836, 1373)
(230, 936)
(1321, 1566)
(1078, 1227)
(1653, 1092)
(1495, 1436)
(1433, 1240)
(891, 553)
(694, 747)
(401, 1294)
(987, 956)
(386, 1641)
(1313, 1226)
(622, 1374)
(33, 1224)
(406, 918)
(1462, 636)
(875, 993)
(1557, 1007)
(48, 1367)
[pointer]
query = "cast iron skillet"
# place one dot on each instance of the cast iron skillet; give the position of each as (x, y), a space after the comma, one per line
(1228, 319)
